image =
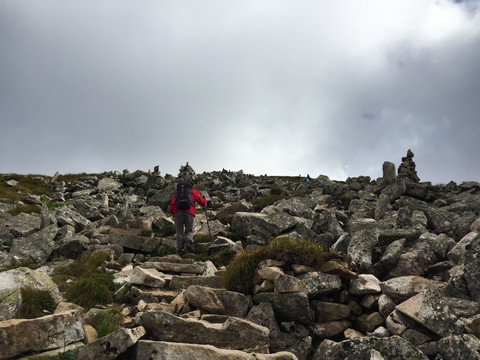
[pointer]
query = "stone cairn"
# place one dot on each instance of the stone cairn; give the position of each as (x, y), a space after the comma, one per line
(407, 168)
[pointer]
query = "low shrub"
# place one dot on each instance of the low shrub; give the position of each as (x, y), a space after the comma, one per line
(239, 274)
(35, 303)
(92, 288)
(83, 282)
(108, 321)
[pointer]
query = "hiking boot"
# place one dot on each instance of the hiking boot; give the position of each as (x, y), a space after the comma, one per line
(181, 252)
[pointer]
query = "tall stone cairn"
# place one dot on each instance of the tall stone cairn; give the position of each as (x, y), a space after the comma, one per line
(187, 173)
(407, 168)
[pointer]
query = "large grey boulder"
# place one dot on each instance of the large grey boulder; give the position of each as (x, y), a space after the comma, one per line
(404, 287)
(23, 224)
(19, 336)
(37, 246)
(159, 350)
(295, 206)
(132, 241)
(11, 284)
(360, 248)
(288, 307)
(318, 283)
(108, 185)
(161, 197)
(234, 333)
(262, 225)
(111, 346)
(147, 277)
(183, 282)
(465, 347)
(225, 216)
(176, 268)
(391, 348)
(217, 301)
(427, 250)
(430, 309)
(67, 216)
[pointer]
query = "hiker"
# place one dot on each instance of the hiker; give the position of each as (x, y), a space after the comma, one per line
(182, 208)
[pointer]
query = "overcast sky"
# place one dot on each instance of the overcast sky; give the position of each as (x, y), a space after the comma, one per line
(267, 86)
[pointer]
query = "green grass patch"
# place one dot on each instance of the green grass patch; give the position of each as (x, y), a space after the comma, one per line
(27, 208)
(108, 321)
(201, 238)
(240, 272)
(35, 303)
(83, 282)
(222, 258)
(68, 355)
(164, 250)
(91, 289)
(27, 184)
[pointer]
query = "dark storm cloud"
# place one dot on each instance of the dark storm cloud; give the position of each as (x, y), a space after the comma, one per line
(269, 87)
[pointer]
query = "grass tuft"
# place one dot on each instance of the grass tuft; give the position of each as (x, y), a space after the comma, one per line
(35, 303)
(240, 272)
(91, 289)
(90, 285)
(108, 321)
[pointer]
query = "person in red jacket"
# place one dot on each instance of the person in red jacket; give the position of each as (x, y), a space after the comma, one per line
(184, 218)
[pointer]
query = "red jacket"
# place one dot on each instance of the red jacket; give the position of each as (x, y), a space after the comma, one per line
(195, 197)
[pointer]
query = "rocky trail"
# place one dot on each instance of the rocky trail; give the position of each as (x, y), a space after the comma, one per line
(402, 280)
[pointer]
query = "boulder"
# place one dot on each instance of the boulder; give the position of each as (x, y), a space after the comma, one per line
(217, 301)
(404, 287)
(159, 350)
(176, 268)
(23, 224)
(234, 333)
(225, 216)
(11, 284)
(288, 307)
(391, 348)
(360, 248)
(330, 311)
(466, 347)
(430, 309)
(365, 284)
(133, 241)
(67, 216)
(147, 277)
(37, 246)
(110, 346)
(45, 333)
(288, 284)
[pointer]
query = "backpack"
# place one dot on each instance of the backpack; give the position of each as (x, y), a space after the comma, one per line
(184, 199)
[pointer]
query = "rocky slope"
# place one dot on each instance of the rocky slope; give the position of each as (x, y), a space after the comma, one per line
(404, 286)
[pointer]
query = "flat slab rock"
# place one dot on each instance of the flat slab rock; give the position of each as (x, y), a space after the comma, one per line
(159, 350)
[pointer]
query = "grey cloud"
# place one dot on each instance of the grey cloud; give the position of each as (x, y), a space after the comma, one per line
(263, 86)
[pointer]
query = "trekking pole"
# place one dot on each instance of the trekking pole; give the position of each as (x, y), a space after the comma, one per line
(208, 225)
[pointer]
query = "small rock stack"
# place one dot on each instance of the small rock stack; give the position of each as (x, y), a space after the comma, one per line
(407, 168)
